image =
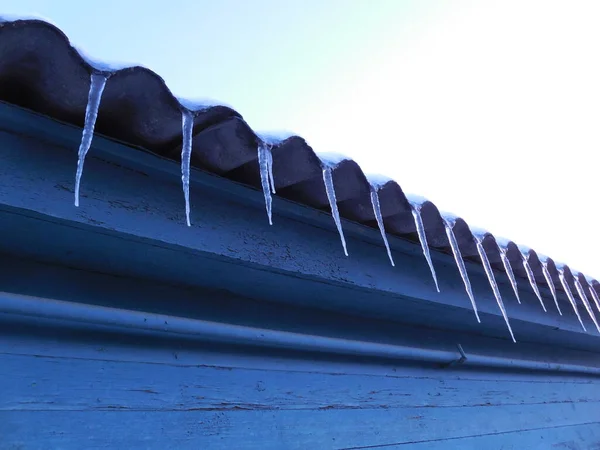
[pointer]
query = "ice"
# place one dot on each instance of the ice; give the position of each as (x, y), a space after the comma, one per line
(379, 218)
(448, 224)
(550, 284)
(492, 279)
(265, 163)
(97, 83)
(416, 212)
(565, 285)
(531, 276)
(509, 271)
(586, 303)
(270, 169)
(503, 244)
(330, 190)
(187, 125)
(595, 296)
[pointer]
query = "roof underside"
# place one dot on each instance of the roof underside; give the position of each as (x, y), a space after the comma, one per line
(41, 71)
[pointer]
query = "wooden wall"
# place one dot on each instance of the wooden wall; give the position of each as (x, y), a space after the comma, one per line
(70, 383)
(73, 389)
(131, 222)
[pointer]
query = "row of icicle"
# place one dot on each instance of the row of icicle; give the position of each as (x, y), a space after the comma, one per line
(265, 161)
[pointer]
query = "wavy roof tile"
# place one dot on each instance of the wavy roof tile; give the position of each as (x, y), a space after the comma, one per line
(40, 70)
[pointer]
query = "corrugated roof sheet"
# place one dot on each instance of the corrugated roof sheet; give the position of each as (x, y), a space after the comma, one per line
(40, 70)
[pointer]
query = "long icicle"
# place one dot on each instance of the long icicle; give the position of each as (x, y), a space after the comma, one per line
(97, 84)
(595, 297)
(565, 285)
(492, 279)
(330, 190)
(416, 212)
(586, 303)
(379, 218)
(550, 284)
(270, 169)
(532, 281)
(187, 126)
(461, 266)
(264, 156)
(509, 272)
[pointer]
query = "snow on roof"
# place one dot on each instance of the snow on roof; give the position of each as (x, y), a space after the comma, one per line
(331, 160)
(275, 137)
(377, 180)
(415, 199)
(102, 65)
(199, 104)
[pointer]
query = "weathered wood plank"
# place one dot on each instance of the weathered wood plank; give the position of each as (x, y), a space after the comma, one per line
(61, 340)
(79, 384)
(50, 281)
(336, 428)
(576, 437)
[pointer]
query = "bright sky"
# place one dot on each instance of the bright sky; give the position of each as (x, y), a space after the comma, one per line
(490, 108)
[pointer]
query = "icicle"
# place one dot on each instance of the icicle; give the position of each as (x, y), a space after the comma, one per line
(187, 125)
(531, 278)
(270, 169)
(492, 279)
(97, 83)
(379, 218)
(461, 266)
(509, 272)
(550, 284)
(586, 303)
(330, 189)
(416, 212)
(565, 285)
(265, 163)
(595, 297)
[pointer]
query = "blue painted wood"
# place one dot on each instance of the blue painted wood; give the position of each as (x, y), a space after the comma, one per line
(67, 383)
(183, 387)
(567, 437)
(109, 389)
(139, 215)
(334, 428)
(151, 402)
(48, 281)
(69, 339)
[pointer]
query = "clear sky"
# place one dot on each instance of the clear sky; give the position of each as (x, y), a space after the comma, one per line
(490, 108)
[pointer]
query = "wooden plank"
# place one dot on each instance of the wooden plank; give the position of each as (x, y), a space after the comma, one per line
(79, 384)
(51, 281)
(287, 289)
(99, 390)
(585, 436)
(336, 428)
(70, 344)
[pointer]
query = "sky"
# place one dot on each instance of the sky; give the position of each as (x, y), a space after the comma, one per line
(489, 108)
